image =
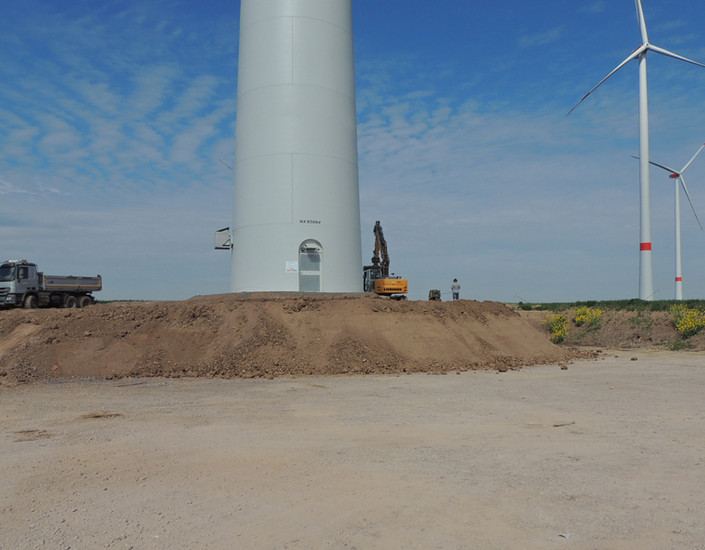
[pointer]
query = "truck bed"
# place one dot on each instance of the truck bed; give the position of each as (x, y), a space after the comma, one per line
(70, 283)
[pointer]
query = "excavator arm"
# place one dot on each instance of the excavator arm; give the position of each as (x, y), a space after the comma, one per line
(380, 247)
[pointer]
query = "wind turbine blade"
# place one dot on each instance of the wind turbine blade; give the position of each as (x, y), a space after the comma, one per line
(666, 168)
(227, 165)
(691, 160)
(691, 202)
(673, 55)
(641, 49)
(642, 22)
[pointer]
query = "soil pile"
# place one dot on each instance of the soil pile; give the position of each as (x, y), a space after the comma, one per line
(268, 335)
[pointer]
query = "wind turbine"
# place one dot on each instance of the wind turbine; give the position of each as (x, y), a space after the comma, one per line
(646, 272)
(677, 175)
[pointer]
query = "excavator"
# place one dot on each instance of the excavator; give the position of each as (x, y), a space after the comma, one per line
(376, 277)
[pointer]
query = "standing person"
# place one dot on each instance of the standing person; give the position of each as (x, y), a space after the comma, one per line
(455, 289)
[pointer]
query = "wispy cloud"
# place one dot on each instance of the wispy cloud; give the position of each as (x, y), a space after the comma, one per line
(542, 38)
(109, 132)
(6, 188)
(594, 7)
(113, 121)
(485, 192)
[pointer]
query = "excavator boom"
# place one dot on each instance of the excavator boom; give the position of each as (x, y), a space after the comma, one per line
(376, 277)
(381, 247)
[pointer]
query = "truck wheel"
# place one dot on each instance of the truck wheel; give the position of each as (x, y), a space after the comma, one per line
(70, 302)
(85, 301)
(31, 302)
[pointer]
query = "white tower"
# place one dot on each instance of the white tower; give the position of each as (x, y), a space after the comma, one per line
(297, 207)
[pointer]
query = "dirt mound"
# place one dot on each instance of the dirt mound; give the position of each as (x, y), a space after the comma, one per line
(268, 335)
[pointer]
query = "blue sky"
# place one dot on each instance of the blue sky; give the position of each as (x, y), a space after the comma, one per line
(114, 118)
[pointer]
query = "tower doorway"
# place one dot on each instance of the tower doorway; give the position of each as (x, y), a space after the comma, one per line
(310, 266)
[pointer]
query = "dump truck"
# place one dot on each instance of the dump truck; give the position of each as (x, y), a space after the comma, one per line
(376, 277)
(22, 285)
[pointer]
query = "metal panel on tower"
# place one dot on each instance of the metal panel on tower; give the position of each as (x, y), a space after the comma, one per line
(296, 175)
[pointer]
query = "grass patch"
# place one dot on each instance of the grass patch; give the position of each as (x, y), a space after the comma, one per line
(641, 321)
(679, 345)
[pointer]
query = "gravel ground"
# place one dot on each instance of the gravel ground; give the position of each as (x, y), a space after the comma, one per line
(606, 454)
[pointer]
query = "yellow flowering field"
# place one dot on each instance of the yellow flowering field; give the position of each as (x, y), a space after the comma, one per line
(585, 315)
(688, 321)
(557, 325)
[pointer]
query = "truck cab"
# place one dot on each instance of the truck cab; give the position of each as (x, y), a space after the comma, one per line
(17, 278)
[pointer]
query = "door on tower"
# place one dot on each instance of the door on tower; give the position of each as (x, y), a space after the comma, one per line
(310, 266)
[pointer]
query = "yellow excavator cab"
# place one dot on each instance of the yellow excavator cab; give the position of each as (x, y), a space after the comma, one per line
(387, 287)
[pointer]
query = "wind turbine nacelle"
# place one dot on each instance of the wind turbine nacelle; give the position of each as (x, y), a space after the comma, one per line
(673, 176)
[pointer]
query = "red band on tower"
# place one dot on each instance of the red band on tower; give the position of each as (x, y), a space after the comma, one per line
(645, 246)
